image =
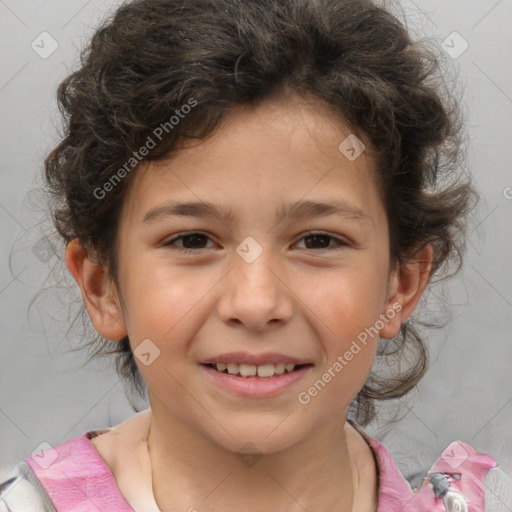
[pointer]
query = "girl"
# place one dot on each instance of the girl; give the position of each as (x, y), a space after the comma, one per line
(254, 196)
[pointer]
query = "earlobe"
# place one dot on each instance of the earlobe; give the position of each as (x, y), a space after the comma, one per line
(406, 286)
(98, 293)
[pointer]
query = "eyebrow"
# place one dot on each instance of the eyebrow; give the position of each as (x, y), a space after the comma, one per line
(300, 209)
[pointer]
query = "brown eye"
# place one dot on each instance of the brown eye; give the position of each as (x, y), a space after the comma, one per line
(192, 242)
(322, 241)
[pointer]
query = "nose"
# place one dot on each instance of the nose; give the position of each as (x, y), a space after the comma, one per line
(256, 294)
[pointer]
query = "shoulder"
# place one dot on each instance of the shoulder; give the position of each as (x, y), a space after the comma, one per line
(22, 492)
(81, 462)
(464, 477)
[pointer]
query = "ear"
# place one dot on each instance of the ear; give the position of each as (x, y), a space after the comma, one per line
(98, 292)
(406, 286)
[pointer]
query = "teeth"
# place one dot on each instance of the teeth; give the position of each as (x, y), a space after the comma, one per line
(266, 370)
(251, 370)
(232, 368)
(247, 370)
(279, 368)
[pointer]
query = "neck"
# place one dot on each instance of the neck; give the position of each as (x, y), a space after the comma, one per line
(190, 471)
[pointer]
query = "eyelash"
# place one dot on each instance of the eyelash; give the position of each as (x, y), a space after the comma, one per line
(341, 243)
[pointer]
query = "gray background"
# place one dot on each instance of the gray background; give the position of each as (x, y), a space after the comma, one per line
(47, 395)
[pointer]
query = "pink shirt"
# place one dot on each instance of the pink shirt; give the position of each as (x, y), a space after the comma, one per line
(76, 478)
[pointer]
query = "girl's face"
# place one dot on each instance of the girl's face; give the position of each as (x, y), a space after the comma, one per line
(257, 287)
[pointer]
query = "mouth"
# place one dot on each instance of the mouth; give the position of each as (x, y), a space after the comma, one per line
(261, 371)
(257, 378)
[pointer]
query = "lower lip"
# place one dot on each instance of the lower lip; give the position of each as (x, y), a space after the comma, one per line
(256, 387)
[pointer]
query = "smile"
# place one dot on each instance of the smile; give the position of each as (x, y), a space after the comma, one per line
(264, 371)
(255, 381)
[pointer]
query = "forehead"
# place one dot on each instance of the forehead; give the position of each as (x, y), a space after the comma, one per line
(261, 157)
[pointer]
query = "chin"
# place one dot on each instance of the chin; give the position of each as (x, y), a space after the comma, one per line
(258, 436)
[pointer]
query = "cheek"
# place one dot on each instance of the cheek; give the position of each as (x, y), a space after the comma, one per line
(349, 305)
(163, 300)
(340, 379)
(349, 344)
(348, 300)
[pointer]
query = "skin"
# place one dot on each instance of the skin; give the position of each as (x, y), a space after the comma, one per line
(301, 300)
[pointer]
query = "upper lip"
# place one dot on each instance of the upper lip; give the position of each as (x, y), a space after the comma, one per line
(254, 359)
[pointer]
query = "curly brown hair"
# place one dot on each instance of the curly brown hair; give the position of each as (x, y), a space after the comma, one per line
(151, 57)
